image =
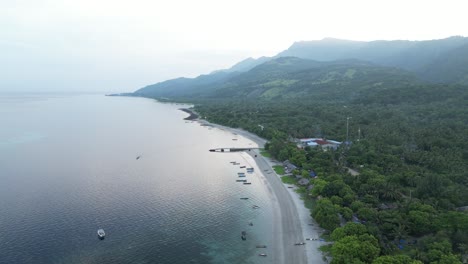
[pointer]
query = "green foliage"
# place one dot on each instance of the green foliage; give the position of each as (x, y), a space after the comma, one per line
(319, 185)
(288, 180)
(279, 169)
(326, 214)
(350, 229)
(395, 259)
(355, 249)
(265, 153)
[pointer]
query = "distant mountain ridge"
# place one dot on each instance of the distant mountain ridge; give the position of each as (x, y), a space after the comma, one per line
(440, 61)
(245, 65)
(409, 55)
(287, 77)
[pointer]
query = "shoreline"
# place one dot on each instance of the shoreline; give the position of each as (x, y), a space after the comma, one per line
(192, 114)
(292, 222)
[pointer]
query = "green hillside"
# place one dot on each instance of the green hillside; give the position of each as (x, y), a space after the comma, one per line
(291, 77)
(286, 77)
(409, 55)
(452, 66)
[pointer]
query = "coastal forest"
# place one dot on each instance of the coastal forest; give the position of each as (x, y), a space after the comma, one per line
(404, 132)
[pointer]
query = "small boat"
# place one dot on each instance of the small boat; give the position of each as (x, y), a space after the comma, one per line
(242, 167)
(244, 235)
(241, 180)
(241, 173)
(250, 169)
(138, 157)
(244, 198)
(101, 234)
(255, 206)
(261, 246)
(246, 183)
(241, 176)
(234, 139)
(299, 244)
(262, 255)
(233, 162)
(250, 224)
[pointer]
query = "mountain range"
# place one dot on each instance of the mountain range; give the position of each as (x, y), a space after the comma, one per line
(328, 67)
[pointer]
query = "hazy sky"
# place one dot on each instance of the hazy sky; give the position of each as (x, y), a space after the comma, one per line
(114, 45)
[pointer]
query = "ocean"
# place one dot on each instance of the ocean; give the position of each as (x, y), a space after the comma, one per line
(69, 165)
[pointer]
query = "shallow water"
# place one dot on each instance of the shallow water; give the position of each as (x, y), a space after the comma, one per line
(68, 167)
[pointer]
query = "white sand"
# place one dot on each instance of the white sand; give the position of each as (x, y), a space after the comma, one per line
(292, 222)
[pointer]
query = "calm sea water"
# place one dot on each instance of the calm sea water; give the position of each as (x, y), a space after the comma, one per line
(68, 167)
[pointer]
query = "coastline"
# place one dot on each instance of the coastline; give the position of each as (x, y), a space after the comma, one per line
(192, 114)
(292, 222)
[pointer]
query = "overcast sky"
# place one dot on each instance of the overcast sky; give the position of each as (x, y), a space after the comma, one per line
(117, 46)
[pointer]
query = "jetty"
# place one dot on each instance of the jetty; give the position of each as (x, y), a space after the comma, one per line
(231, 149)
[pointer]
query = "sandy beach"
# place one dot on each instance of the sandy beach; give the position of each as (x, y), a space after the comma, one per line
(292, 222)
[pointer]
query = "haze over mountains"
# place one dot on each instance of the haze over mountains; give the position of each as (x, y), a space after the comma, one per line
(313, 67)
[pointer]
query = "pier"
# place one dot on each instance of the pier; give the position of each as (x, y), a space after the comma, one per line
(231, 149)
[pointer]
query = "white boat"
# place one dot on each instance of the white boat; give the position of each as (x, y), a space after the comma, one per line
(101, 234)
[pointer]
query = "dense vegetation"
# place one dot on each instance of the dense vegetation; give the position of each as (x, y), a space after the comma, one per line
(407, 141)
(411, 155)
(285, 77)
(442, 60)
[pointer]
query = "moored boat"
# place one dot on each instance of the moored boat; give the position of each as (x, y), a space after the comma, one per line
(244, 235)
(101, 234)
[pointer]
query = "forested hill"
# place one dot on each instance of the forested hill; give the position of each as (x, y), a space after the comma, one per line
(420, 57)
(450, 68)
(436, 61)
(286, 77)
(199, 85)
(291, 77)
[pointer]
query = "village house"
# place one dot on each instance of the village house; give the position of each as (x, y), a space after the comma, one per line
(288, 166)
(315, 142)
